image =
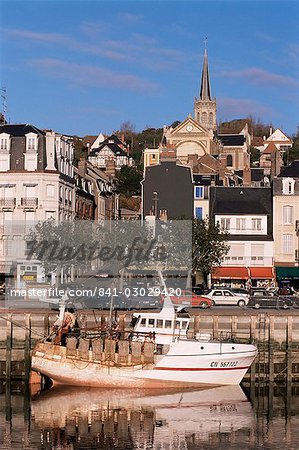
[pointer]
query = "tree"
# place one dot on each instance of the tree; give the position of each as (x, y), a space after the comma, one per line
(63, 246)
(209, 246)
(128, 181)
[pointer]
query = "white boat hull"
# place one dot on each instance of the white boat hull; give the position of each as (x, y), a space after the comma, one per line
(188, 363)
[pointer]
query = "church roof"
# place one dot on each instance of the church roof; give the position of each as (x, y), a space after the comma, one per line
(231, 140)
(205, 89)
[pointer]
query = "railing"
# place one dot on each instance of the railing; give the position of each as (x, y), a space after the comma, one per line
(29, 202)
(7, 202)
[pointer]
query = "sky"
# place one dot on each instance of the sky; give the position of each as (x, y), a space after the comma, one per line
(84, 67)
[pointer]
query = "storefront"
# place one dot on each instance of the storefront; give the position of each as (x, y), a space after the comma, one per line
(230, 276)
(262, 276)
(288, 277)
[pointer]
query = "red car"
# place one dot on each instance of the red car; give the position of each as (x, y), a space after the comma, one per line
(190, 299)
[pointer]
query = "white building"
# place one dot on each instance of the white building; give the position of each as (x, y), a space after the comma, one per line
(36, 183)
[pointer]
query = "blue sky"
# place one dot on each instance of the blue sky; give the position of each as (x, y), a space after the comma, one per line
(84, 67)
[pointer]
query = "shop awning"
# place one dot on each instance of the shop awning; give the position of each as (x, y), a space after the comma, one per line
(262, 273)
(287, 273)
(230, 273)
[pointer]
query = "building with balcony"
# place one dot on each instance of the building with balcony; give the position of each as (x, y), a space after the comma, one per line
(286, 224)
(36, 183)
(246, 214)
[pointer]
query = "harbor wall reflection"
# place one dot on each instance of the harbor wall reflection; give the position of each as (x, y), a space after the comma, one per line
(71, 417)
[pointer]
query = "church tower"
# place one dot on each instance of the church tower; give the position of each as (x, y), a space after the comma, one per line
(205, 106)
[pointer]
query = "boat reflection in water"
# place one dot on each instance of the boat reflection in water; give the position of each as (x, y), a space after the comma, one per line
(140, 419)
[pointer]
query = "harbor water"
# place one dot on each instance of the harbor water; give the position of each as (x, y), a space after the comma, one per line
(231, 417)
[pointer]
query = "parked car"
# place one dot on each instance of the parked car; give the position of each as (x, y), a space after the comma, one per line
(197, 290)
(221, 296)
(190, 299)
(261, 298)
(240, 291)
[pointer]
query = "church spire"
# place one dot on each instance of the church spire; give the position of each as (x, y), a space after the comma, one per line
(205, 106)
(205, 89)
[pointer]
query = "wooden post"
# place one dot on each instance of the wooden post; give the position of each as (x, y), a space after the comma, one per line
(8, 347)
(289, 332)
(253, 365)
(271, 349)
(27, 346)
(233, 328)
(215, 327)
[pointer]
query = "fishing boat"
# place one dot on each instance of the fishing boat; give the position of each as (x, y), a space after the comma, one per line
(158, 352)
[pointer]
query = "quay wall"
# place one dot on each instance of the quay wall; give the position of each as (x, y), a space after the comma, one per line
(276, 335)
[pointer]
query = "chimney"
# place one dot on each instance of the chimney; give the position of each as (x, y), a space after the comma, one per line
(247, 176)
(110, 167)
(50, 150)
(270, 131)
(82, 167)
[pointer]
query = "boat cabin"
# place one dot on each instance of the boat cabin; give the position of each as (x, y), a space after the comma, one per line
(166, 324)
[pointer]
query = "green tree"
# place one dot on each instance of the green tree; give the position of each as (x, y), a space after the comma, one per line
(128, 181)
(209, 246)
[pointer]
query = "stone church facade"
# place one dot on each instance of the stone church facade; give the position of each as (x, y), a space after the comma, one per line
(196, 137)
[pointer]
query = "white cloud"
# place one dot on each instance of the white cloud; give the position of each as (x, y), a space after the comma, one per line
(90, 75)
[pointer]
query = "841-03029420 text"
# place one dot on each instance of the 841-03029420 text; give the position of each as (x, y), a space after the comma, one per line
(96, 291)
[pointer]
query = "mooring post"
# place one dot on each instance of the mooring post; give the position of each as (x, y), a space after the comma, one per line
(233, 328)
(8, 347)
(215, 327)
(271, 349)
(253, 365)
(289, 332)
(27, 346)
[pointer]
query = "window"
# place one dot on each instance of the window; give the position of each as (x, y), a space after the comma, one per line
(154, 156)
(229, 160)
(256, 224)
(50, 215)
(288, 185)
(168, 323)
(225, 224)
(159, 323)
(3, 144)
(50, 190)
(204, 117)
(151, 323)
(198, 192)
(287, 243)
(211, 118)
(143, 322)
(198, 213)
(241, 224)
(287, 215)
(218, 293)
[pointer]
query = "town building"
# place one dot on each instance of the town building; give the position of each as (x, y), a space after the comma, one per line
(197, 138)
(111, 151)
(36, 183)
(167, 190)
(101, 187)
(286, 224)
(246, 214)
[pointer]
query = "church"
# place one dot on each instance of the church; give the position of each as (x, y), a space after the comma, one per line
(195, 141)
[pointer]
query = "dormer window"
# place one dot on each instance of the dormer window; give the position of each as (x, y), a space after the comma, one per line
(288, 185)
(3, 144)
(31, 142)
